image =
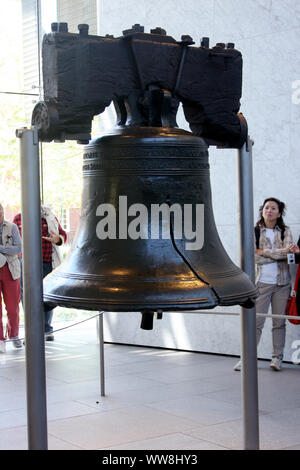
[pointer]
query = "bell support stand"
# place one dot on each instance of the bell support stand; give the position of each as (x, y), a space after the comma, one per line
(33, 289)
(248, 317)
(101, 353)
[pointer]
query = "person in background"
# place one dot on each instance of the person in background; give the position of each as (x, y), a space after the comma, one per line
(53, 236)
(273, 242)
(10, 248)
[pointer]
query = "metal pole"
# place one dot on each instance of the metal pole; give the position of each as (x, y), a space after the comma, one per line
(101, 352)
(248, 317)
(33, 290)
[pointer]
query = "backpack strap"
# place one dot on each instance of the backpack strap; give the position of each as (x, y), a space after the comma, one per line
(257, 236)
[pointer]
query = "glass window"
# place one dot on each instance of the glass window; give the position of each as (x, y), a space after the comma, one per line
(22, 26)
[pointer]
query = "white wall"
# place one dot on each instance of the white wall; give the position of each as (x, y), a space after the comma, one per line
(267, 32)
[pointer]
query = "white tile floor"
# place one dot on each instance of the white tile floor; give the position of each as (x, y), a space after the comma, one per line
(155, 399)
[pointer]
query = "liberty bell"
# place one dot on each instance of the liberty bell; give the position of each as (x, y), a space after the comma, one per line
(147, 240)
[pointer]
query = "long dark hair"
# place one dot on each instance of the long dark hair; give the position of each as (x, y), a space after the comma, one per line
(281, 206)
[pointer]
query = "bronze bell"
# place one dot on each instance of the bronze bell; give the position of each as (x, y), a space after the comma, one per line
(147, 239)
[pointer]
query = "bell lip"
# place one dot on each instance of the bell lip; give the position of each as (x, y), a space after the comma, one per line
(211, 300)
(204, 303)
(185, 307)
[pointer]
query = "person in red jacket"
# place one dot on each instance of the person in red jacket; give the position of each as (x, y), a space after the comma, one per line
(53, 236)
